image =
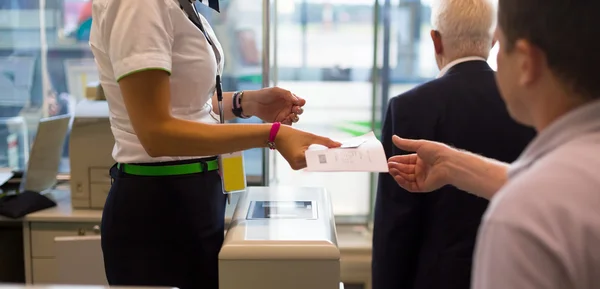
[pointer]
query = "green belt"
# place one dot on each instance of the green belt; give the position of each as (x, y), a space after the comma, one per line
(169, 170)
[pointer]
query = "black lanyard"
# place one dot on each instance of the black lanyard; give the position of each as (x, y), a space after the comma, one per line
(189, 9)
(214, 4)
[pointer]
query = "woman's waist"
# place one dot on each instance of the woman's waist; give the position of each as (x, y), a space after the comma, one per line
(171, 167)
(129, 150)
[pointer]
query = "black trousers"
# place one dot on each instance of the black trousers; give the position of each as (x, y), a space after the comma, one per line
(163, 231)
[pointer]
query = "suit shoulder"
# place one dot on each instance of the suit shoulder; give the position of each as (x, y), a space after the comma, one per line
(422, 93)
(438, 90)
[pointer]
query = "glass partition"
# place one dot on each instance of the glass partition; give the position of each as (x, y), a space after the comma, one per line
(46, 65)
(242, 42)
(324, 53)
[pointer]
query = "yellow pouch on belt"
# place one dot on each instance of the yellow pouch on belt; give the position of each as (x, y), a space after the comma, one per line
(232, 171)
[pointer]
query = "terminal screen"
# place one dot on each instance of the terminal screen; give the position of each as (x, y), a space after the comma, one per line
(282, 210)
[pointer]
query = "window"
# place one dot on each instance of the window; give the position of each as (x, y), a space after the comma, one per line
(37, 79)
(492, 58)
(241, 39)
(326, 53)
(322, 51)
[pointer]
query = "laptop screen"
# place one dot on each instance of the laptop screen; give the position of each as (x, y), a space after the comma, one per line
(46, 153)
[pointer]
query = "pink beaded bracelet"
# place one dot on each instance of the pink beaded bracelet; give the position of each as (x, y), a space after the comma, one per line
(273, 134)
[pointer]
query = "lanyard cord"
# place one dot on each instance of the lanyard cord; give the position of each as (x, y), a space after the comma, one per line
(220, 98)
(188, 8)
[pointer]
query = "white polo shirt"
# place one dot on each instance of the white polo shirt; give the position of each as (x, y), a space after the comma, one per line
(542, 229)
(133, 35)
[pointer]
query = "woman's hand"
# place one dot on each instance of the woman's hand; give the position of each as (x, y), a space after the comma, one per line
(292, 143)
(423, 171)
(273, 104)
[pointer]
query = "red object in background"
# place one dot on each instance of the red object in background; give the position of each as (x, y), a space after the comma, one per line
(85, 13)
(13, 143)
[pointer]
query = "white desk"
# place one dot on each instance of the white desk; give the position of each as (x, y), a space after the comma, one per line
(63, 212)
(42, 227)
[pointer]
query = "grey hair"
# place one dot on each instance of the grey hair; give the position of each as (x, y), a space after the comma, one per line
(466, 26)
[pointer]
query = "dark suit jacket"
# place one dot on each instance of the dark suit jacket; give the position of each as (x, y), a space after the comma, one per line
(426, 241)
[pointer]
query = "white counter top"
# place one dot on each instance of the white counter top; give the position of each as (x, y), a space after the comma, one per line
(63, 212)
(9, 220)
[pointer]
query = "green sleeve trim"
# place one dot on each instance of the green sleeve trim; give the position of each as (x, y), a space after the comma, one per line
(145, 69)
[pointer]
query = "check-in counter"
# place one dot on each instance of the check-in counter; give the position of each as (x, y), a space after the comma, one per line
(281, 237)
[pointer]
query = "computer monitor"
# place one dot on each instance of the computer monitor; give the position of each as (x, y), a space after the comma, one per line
(16, 80)
(46, 153)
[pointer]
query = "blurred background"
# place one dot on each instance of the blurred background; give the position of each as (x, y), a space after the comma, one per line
(345, 57)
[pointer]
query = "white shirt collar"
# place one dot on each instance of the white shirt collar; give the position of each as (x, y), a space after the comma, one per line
(457, 61)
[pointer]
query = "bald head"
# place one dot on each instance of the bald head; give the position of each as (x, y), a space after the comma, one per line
(464, 28)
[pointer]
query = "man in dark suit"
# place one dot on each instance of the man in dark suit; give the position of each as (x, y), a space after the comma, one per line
(426, 241)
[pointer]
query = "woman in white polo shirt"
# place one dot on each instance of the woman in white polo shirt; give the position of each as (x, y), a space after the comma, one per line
(163, 221)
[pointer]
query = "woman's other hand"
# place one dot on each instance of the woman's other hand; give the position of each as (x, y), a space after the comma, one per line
(292, 143)
(422, 171)
(273, 104)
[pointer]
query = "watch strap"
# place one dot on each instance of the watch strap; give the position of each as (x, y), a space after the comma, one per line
(236, 107)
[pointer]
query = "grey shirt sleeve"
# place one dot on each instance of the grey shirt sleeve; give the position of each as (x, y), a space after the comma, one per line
(509, 256)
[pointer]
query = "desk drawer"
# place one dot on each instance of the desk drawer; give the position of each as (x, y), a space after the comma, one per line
(98, 194)
(100, 175)
(43, 234)
(44, 271)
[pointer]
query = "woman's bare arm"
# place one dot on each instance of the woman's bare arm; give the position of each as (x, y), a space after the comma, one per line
(227, 104)
(147, 98)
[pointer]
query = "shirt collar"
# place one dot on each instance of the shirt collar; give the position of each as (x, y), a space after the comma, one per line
(458, 61)
(578, 122)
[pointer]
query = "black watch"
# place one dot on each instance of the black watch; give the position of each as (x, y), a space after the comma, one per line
(236, 108)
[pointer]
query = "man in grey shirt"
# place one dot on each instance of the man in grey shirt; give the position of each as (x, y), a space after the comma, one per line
(542, 228)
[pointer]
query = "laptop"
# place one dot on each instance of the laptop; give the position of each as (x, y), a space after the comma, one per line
(45, 154)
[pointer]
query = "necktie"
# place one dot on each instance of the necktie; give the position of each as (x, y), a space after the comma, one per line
(214, 4)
